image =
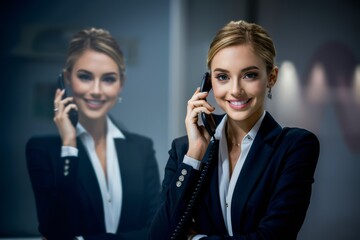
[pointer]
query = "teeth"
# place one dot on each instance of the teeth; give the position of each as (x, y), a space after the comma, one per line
(238, 103)
(94, 102)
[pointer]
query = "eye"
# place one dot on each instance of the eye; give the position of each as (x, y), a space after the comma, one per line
(109, 79)
(250, 75)
(222, 77)
(84, 76)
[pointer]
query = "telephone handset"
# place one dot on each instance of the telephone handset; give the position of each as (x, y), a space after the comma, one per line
(207, 119)
(73, 115)
(207, 163)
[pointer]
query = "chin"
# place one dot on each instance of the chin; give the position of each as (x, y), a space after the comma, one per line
(94, 115)
(240, 115)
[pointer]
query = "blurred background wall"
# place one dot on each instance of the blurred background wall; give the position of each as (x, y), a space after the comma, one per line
(165, 43)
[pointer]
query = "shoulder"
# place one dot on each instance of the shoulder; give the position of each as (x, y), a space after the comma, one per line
(40, 149)
(295, 139)
(274, 134)
(180, 142)
(43, 141)
(299, 134)
(179, 146)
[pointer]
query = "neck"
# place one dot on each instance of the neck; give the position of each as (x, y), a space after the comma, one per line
(96, 128)
(236, 130)
(234, 133)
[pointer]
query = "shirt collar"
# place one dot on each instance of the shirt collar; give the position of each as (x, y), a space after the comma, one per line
(220, 130)
(252, 133)
(112, 130)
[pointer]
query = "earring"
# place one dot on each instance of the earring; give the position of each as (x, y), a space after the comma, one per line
(119, 99)
(269, 95)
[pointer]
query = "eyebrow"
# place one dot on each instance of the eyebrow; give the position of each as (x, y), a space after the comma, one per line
(88, 72)
(242, 70)
(83, 70)
(111, 73)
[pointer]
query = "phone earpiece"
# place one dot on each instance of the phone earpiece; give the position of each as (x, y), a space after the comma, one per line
(207, 119)
(73, 114)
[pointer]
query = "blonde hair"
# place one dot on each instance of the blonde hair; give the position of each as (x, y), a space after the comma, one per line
(242, 32)
(99, 40)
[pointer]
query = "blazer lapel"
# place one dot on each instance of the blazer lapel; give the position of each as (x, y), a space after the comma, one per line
(129, 162)
(90, 184)
(254, 165)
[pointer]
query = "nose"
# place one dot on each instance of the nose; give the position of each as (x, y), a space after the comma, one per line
(236, 88)
(96, 87)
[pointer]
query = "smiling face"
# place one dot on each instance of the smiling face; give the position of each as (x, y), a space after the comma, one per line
(240, 80)
(95, 82)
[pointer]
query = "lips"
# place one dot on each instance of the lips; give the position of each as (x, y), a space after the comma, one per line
(239, 104)
(94, 104)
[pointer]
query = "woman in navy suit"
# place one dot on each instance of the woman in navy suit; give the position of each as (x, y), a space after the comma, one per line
(259, 183)
(93, 180)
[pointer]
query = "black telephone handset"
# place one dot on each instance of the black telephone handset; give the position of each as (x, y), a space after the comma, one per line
(207, 119)
(207, 163)
(73, 115)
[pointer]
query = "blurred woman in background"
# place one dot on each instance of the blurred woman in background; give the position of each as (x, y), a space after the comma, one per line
(93, 180)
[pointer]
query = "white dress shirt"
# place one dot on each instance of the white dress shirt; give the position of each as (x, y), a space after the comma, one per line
(110, 187)
(227, 184)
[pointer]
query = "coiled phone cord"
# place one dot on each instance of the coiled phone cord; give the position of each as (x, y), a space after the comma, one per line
(205, 166)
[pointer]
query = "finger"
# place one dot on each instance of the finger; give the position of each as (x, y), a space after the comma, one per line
(58, 95)
(205, 133)
(59, 106)
(199, 95)
(200, 103)
(63, 114)
(69, 107)
(197, 90)
(193, 115)
(67, 101)
(200, 106)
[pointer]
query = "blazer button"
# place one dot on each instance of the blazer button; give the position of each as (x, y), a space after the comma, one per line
(178, 184)
(181, 178)
(183, 172)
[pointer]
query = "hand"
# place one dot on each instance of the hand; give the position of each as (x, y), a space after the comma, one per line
(61, 118)
(198, 137)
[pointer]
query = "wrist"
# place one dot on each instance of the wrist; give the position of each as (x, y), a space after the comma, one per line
(69, 143)
(195, 153)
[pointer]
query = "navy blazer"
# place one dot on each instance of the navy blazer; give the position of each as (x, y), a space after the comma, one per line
(270, 198)
(67, 193)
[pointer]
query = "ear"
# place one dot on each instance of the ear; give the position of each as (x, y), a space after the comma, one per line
(273, 77)
(67, 76)
(120, 89)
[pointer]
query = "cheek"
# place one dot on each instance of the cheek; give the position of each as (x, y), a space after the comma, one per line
(113, 92)
(258, 89)
(219, 94)
(77, 87)
(218, 91)
(216, 95)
